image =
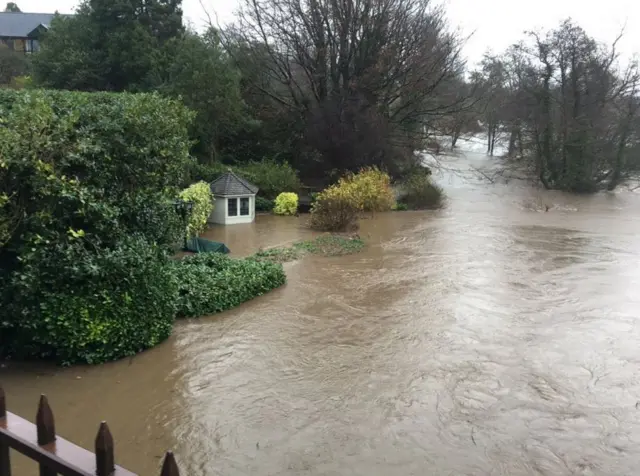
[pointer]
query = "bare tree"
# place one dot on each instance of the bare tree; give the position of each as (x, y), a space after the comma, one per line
(363, 77)
(564, 99)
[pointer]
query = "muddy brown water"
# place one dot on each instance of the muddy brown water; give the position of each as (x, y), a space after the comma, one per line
(489, 338)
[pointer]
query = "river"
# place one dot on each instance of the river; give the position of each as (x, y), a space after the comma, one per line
(488, 338)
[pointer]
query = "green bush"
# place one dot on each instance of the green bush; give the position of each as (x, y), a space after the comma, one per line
(88, 160)
(419, 192)
(271, 177)
(75, 304)
(212, 282)
(200, 195)
(80, 174)
(286, 204)
(206, 172)
(264, 204)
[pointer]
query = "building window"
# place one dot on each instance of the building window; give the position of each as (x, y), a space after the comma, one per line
(244, 206)
(232, 207)
(32, 46)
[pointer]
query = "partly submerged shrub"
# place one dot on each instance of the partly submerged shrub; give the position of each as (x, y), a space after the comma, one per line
(76, 304)
(212, 282)
(286, 204)
(419, 192)
(200, 195)
(371, 189)
(335, 209)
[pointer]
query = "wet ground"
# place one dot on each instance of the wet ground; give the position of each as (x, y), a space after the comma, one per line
(491, 337)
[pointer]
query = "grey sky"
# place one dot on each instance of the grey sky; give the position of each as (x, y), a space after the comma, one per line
(493, 24)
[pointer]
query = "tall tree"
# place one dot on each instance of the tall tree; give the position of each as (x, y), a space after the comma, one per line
(108, 45)
(359, 77)
(12, 8)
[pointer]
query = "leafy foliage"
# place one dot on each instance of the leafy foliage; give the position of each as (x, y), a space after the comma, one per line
(371, 189)
(286, 204)
(75, 303)
(264, 204)
(271, 177)
(79, 175)
(419, 192)
(212, 282)
(337, 207)
(332, 245)
(326, 245)
(13, 64)
(200, 194)
(197, 70)
(108, 45)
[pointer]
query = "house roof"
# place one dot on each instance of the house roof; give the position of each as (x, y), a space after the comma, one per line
(19, 25)
(230, 184)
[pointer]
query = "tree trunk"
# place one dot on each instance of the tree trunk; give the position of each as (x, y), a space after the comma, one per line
(512, 142)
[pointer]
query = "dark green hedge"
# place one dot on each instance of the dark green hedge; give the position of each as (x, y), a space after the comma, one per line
(80, 174)
(212, 282)
(78, 305)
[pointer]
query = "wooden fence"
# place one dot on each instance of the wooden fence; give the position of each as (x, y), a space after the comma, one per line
(56, 455)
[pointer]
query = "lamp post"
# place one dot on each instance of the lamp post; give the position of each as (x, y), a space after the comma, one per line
(184, 208)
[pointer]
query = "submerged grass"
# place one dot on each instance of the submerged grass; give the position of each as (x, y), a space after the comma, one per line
(325, 245)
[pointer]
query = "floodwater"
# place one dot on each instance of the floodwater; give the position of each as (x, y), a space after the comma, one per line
(489, 338)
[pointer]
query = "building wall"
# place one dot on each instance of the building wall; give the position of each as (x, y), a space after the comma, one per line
(220, 209)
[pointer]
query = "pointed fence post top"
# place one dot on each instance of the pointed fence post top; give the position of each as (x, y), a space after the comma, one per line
(105, 459)
(169, 467)
(45, 423)
(3, 403)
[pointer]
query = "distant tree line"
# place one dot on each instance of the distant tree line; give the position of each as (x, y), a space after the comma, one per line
(333, 86)
(570, 111)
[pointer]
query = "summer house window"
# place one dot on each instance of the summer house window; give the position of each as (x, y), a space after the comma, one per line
(244, 206)
(232, 207)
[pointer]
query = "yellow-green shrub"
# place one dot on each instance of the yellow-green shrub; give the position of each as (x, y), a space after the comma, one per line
(371, 190)
(335, 209)
(286, 204)
(200, 194)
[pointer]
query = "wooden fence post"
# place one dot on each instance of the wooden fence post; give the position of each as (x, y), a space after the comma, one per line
(105, 461)
(46, 430)
(169, 467)
(5, 462)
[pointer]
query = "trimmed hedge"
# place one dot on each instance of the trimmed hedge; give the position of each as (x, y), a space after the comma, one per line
(210, 282)
(76, 305)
